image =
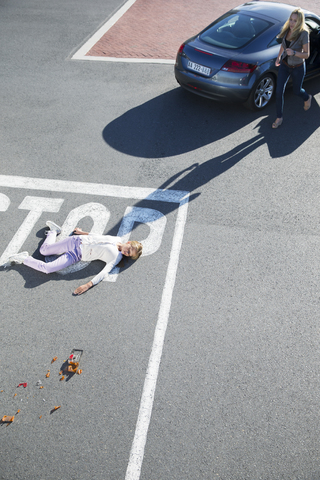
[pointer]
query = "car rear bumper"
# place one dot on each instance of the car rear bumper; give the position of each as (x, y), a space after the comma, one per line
(213, 88)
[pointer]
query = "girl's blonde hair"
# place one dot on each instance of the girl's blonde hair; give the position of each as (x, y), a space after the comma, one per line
(298, 29)
(138, 247)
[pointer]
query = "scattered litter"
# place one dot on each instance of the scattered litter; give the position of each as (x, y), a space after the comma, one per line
(75, 356)
(74, 361)
(73, 369)
(7, 418)
(72, 364)
(55, 408)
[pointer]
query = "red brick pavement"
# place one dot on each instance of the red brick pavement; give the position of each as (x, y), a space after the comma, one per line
(154, 29)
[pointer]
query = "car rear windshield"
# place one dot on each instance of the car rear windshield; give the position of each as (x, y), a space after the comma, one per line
(234, 30)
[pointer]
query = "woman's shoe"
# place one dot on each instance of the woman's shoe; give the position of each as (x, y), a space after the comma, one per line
(18, 257)
(53, 226)
(277, 123)
(307, 104)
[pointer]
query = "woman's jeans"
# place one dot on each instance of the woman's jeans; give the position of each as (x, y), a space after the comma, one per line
(68, 249)
(297, 75)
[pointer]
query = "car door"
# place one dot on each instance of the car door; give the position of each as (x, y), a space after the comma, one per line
(313, 62)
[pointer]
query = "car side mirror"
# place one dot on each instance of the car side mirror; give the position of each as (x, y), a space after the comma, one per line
(279, 40)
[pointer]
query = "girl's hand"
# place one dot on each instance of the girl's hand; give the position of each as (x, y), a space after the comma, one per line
(277, 63)
(77, 231)
(83, 288)
(290, 52)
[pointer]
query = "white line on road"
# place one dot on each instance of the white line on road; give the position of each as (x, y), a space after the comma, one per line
(105, 190)
(146, 404)
(126, 60)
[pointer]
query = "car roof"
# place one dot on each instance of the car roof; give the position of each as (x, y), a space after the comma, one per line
(277, 11)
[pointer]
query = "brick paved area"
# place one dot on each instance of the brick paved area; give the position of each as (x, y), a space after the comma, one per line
(154, 29)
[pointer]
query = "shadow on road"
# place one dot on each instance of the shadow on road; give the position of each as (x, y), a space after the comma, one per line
(178, 122)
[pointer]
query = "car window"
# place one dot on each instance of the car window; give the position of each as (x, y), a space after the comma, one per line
(275, 41)
(234, 30)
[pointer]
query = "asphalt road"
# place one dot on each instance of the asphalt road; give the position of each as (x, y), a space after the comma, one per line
(231, 288)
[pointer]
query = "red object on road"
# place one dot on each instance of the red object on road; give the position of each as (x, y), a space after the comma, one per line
(23, 384)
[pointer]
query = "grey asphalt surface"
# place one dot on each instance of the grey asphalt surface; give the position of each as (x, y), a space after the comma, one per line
(237, 396)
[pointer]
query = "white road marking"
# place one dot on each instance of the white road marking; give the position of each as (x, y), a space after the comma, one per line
(36, 205)
(173, 196)
(146, 404)
(81, 54)
(4, 202)
(161, 61)
(105, 190)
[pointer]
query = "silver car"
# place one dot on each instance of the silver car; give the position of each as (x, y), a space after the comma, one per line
(233, 59)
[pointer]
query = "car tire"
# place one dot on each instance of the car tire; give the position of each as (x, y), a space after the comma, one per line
(262, 92)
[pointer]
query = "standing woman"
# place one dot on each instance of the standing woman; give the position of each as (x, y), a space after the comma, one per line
(294, 50)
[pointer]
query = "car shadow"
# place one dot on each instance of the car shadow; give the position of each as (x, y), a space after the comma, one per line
(179, 122)
(173, 123)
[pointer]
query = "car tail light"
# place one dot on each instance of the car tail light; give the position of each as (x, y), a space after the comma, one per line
(181, 49)
(238, 67)
(202, 51)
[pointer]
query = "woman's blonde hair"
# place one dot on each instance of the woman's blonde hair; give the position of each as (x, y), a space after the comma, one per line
(138, 247)
(298, 29)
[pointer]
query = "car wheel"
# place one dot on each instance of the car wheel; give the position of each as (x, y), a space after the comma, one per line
(261, 93)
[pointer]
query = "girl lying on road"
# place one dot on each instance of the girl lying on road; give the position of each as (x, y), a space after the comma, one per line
(80, 246)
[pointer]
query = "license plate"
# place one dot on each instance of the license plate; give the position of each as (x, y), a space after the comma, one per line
(199, 68)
